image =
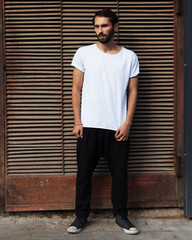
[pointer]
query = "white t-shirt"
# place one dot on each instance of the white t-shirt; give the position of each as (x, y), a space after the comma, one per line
(104, 92)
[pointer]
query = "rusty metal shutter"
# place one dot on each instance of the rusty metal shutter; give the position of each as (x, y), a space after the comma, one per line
(41, 38)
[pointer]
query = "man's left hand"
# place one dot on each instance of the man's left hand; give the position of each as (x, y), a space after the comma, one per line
(122, 132)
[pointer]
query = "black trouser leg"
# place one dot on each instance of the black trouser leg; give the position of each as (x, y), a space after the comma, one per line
(87, 157)
(118, 158)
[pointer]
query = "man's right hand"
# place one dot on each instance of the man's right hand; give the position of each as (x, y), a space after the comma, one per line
(78, 131)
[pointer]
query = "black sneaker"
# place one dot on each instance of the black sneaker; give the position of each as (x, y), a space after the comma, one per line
(77, 225)
(126, 225)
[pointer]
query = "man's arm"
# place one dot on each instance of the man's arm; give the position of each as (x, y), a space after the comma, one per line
(122, 132)
(76, 101)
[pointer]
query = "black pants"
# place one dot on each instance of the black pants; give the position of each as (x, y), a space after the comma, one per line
(94, 143)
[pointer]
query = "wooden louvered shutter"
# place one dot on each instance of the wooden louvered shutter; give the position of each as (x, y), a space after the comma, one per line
(147, 27)
(34, 106)
(33, 87)
(41, 38)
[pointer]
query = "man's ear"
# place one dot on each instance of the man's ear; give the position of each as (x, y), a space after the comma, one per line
(116, 27)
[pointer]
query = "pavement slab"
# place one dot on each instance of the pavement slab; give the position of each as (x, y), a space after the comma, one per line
(54, 228)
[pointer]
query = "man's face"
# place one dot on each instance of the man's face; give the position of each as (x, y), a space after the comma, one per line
(104, 29)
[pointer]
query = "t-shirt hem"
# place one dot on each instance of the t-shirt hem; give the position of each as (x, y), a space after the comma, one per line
(100, 127)
(134, 75)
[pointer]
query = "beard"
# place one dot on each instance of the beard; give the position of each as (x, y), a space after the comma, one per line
(107, 37)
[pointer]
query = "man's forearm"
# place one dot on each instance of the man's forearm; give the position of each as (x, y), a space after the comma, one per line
(131, 106)
(76, 94)
(76, 101)
(122, 132)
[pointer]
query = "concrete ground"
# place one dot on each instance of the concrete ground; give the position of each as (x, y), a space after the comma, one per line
(153, 225)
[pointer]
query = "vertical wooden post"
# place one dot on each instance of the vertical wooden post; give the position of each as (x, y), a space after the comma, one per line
(179, 98)
(118, 23)
(2, 114)
(62, 128)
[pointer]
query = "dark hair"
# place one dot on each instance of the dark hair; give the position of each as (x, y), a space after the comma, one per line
(106, 13)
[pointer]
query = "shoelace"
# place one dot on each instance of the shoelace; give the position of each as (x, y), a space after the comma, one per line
(127, 222)
(78, 223)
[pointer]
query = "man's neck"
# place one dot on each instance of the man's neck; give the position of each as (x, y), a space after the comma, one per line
(110, 47)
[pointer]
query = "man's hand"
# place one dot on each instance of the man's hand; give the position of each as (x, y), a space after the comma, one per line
(122, 132)
(78, 131)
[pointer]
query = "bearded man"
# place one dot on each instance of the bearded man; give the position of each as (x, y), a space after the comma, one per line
(105, 72)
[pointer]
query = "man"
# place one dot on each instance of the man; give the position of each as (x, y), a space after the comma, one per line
(105, 72)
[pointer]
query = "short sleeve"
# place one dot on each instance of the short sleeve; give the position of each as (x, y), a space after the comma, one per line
(134, 66)
(78, 60)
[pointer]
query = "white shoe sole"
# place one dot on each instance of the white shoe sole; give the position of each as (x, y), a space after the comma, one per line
(73, 230)
(131, 232)
(134, 231)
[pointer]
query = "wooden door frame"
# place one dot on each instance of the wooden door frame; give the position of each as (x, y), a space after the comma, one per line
(179, 99)
(179, 103)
